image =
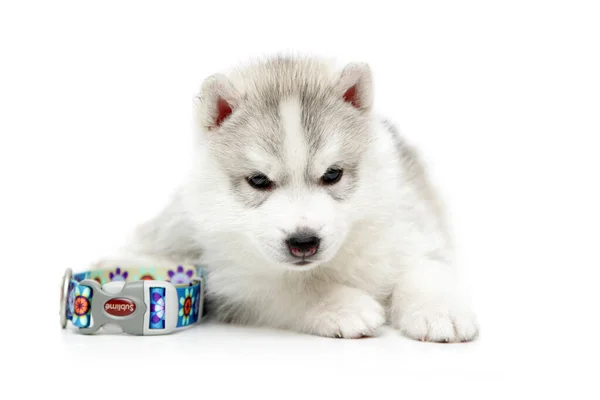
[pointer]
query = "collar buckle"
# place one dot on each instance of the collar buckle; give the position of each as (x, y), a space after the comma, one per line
(129, 305)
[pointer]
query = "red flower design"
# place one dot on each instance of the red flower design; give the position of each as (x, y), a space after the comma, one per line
(82, 305)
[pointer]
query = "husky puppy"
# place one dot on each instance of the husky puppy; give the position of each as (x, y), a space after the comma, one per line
(308, 211)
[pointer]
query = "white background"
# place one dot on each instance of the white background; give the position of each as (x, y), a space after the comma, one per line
(503, 98)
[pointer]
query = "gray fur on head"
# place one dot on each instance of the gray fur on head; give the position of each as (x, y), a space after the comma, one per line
(268, 81)
(334, 107)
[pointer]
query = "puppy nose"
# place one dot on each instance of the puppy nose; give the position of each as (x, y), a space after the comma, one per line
(303, 245)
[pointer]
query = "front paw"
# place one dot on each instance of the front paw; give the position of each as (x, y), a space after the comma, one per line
(347, 313)
(437, 321)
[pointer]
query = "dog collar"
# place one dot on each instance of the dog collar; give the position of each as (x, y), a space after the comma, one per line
(141, 301)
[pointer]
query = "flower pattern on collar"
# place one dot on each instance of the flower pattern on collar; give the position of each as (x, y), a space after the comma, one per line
(146, 274)
(82, 306)
(186, 309)
(180, 276)
(118, 275)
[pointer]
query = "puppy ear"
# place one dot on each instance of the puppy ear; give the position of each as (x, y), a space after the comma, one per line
(217, 100)
(355, 86)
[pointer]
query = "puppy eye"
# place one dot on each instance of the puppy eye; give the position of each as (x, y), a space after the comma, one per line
(260, 182)
(332, 176)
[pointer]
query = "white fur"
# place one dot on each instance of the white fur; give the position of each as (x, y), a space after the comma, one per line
(386, 253)
(295, 142)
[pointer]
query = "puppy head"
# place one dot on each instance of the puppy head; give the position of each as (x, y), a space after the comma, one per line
(287, 138)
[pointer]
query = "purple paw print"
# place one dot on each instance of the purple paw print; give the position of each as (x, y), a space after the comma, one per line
(118, 275)
(180, 277)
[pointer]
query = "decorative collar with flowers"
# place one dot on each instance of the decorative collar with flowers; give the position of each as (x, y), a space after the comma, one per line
(141, 301)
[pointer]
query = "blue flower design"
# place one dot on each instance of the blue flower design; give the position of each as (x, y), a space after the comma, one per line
(157, 308)
(187, 303)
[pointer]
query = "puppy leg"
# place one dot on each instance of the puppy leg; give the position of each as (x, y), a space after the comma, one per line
(326, 310)
(346, 313)
(427, 305)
